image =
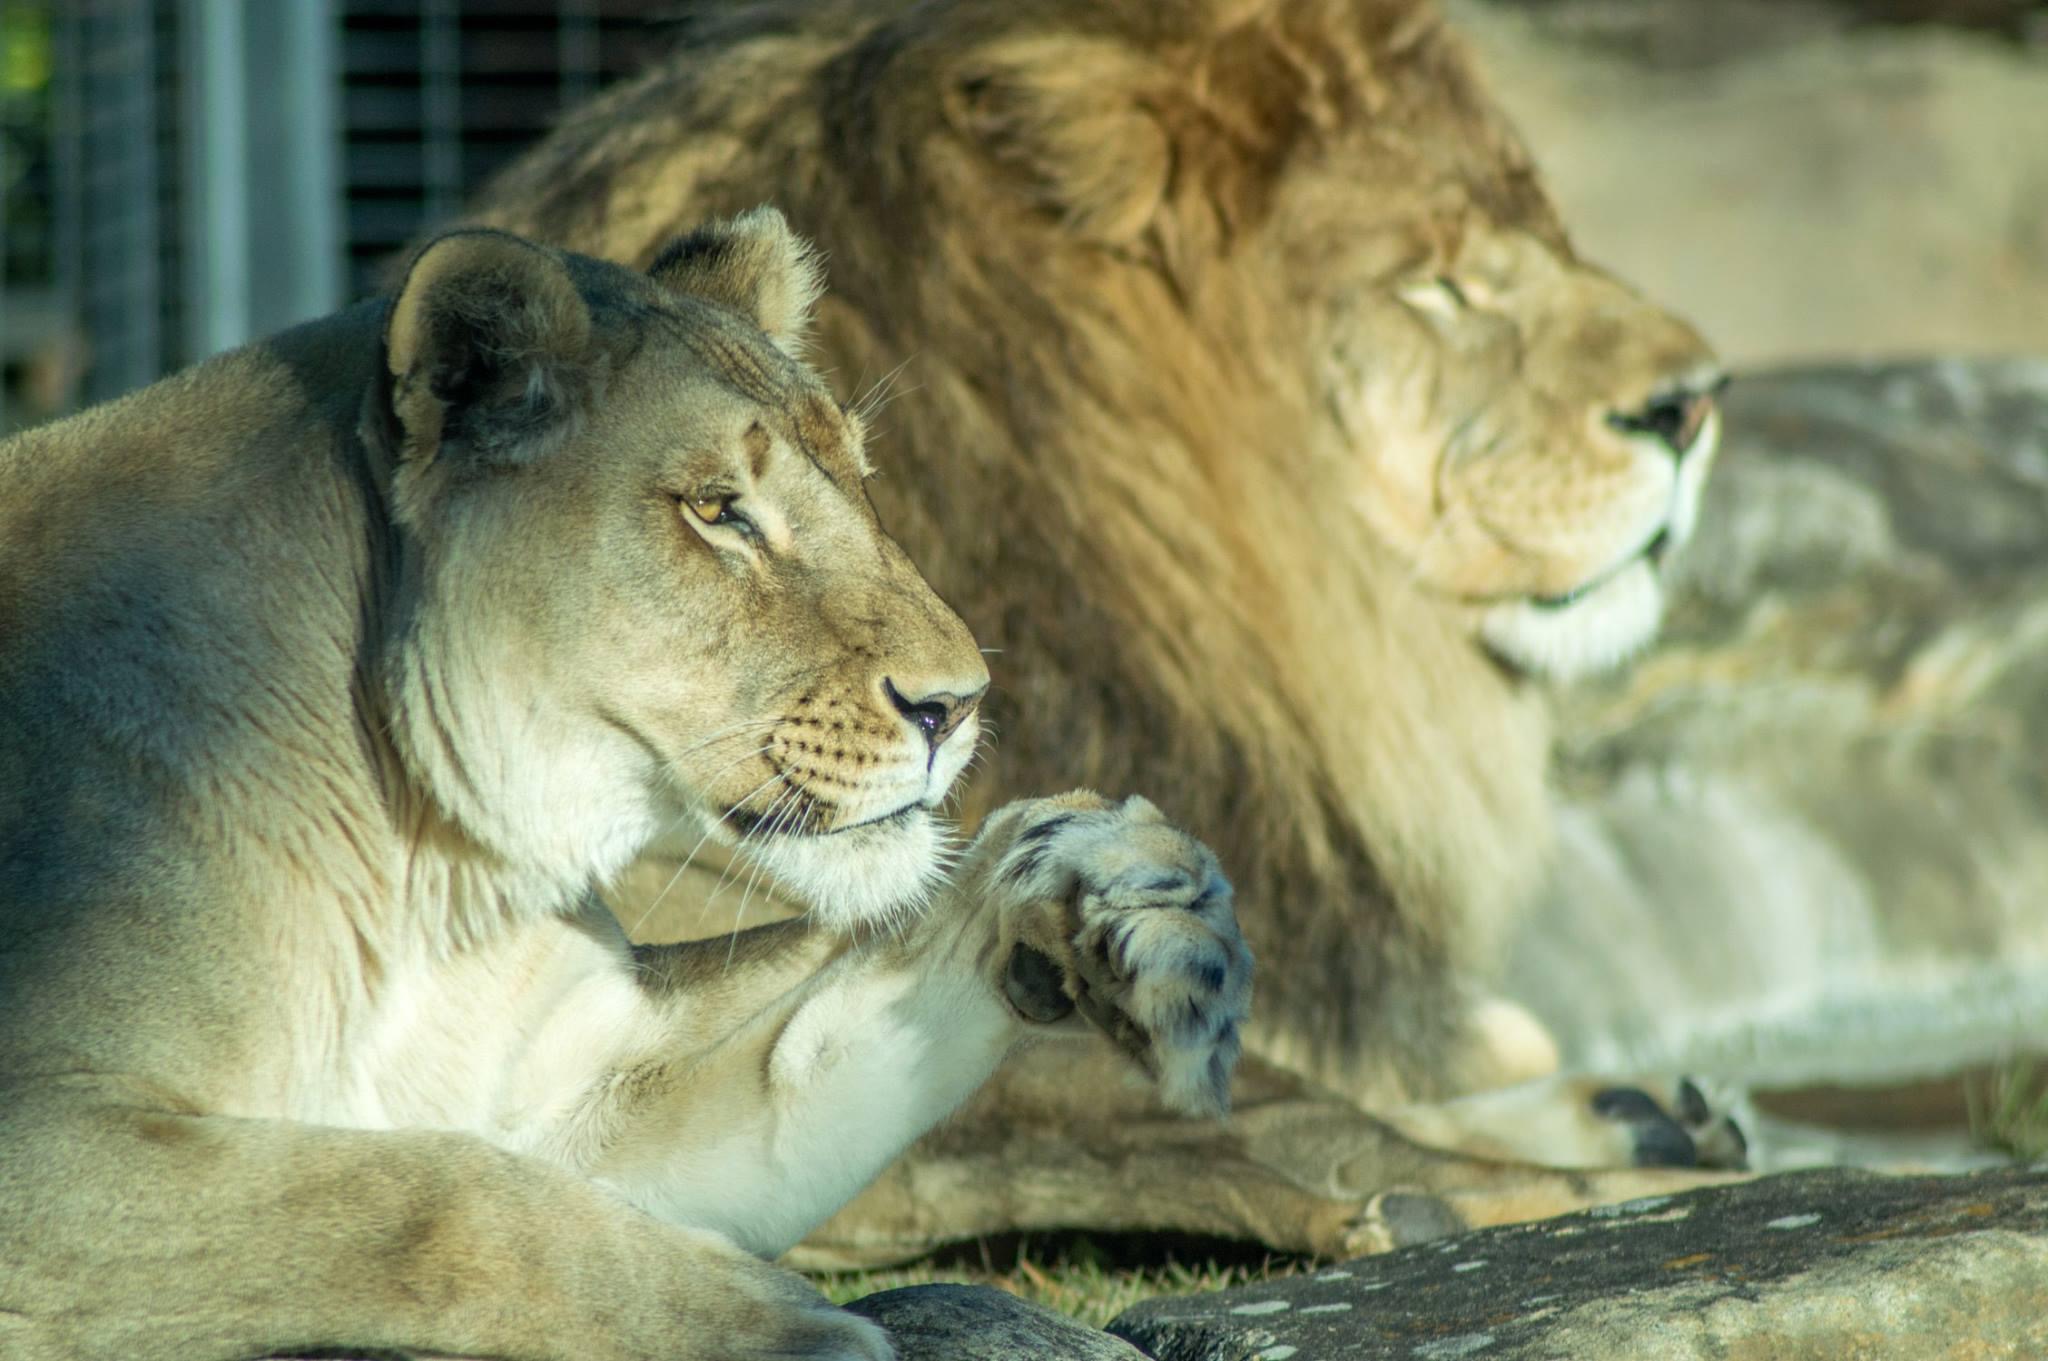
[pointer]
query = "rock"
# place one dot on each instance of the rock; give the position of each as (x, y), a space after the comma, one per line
(1800, 840)
(981, 1323)
(1822, 1264)
(1778, 135)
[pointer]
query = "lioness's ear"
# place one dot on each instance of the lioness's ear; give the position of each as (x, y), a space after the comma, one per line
(485, 347)
(753, 264)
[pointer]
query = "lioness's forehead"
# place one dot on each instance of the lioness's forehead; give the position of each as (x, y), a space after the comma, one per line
(735, 380)
(786, 398)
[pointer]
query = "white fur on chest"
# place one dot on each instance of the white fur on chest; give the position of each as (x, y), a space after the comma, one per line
(505, 1041)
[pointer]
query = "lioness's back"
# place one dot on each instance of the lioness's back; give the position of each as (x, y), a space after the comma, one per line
(178, 571)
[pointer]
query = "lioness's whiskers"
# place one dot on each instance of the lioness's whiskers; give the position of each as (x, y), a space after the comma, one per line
(689, 859)
(879, 395)
(773, 810)
(803, 817)
(724, 733)
(789, 800)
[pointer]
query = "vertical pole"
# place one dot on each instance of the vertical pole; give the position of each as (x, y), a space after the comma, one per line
(441, 112)
(120, 282)
(310, 68)
(293, 109)
(67, 139)
(578, 56)
(213, 43)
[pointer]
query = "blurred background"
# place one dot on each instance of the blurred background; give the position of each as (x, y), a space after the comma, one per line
(178, 176)
(1804, 178)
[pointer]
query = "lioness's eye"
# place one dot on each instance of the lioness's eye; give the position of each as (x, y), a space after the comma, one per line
(713, 510)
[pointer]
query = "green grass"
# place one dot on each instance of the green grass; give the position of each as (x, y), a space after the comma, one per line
(2009, 1110)
(1089, 1279)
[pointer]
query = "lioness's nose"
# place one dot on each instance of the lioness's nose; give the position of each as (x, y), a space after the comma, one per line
(936, 714)
(1676, 417)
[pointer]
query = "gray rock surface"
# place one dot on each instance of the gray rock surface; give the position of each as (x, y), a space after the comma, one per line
(1813, 1265)
(981, 1323)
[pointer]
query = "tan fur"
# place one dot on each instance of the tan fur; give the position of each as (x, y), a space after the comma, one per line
(1254, 406)
(341, 669)
(1210, 455)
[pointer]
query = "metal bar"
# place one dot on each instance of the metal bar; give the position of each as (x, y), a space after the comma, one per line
(3, 273)
(67, 123)
(295, 156)
(311, 66)
(121, 291)
(577, 54)
(441, 111)
(215, 108)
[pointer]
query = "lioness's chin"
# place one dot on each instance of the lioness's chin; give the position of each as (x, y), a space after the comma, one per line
(1596, 631)
(863, 874)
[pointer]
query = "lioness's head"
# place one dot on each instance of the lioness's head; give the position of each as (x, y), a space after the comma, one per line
(641, 579)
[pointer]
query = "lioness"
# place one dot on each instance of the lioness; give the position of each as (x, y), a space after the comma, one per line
(1266, 421)
(340, 669)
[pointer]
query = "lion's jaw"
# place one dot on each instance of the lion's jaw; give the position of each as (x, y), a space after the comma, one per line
(1615, 614)
(886, 853)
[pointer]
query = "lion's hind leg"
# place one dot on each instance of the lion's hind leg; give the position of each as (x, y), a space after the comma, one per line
(1577, 1121)
(1293, 1167)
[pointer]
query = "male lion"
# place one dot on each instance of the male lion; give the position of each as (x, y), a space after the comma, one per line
(339, 670)
(1264, 419)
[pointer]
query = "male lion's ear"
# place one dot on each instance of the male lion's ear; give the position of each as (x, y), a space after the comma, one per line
(754, 265)
(1078, 123)
(485, 348)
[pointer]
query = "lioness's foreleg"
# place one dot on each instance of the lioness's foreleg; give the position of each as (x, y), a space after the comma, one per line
(139, 1232)
(1066, 914)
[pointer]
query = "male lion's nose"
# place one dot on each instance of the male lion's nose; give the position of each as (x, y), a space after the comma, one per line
(1675, 417)
(937, 714)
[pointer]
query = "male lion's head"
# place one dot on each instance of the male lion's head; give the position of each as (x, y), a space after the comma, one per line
(639, 557)
(1533, 437)
(1530, 436)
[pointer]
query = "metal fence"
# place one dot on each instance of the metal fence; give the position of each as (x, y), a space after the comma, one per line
(178, 176)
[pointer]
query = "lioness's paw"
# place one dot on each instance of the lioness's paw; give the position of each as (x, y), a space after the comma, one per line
(828, 1333)
(745, 1309)
(1127, 918)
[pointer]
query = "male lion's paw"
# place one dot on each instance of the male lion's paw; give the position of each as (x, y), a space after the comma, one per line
(1129, 919)
(1675, 1122)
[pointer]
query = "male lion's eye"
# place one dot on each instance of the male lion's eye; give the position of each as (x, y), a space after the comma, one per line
(1441, 295)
